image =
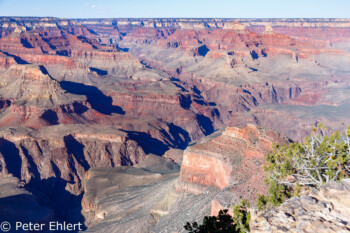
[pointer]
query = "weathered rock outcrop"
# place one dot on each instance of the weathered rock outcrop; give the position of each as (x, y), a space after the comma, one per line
(52, 162)
(324, 210)
(33, 156)
(232, 162)
(29, 86)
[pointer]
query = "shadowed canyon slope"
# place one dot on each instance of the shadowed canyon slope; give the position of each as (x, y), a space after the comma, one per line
(83, 100)
(156, 196)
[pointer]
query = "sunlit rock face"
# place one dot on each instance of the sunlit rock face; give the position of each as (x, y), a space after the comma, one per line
(233, 162)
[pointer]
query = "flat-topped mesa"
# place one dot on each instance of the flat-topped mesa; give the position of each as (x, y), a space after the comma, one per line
(268, 30)
(237, 26)
(6, 61)
(20, 29)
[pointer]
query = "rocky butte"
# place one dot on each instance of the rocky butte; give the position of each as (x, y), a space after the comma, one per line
(139, 125)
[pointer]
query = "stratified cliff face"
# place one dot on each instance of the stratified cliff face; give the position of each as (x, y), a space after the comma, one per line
(52, 162)
(324, 210)
(94, 93)
(37, 155)
(232, 162)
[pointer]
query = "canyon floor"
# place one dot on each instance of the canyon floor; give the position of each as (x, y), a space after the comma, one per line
(140, 125)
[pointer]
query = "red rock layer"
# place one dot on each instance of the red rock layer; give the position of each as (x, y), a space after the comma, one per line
(232, 161)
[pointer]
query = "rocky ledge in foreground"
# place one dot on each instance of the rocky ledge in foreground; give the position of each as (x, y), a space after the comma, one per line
(324, 210)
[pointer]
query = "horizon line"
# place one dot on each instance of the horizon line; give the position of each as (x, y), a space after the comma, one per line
(171, 17)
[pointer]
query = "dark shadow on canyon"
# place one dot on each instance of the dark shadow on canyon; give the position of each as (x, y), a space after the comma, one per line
(148, 143)
(98, 71)
(175, 137)
(44, 70)
(199, 101)
(185, 101)
(27, 208)
(63, 52)
(178, 137)
(85, 40)
(205, 124)
(51, 117)
(16, 58)
(26, 44)
(120, 48)
(5, 103)
(23, 208)
(145, 64)
(76, 149)
(52, 194)
(32, 168)
(197, 92)
(98, 101)
(79, 108)
(254, 55)
(11, 156)
(49, 43)
(177, 83)
(203, 50)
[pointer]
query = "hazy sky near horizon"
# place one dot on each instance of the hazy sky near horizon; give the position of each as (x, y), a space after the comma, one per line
(178, 8)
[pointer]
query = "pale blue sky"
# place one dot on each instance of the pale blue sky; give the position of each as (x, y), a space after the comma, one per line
(177, 8)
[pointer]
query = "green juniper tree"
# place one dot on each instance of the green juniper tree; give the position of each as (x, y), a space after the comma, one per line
(224, 223)
(315, 161)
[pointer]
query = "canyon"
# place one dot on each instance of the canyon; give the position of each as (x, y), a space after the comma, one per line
(154, 122)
